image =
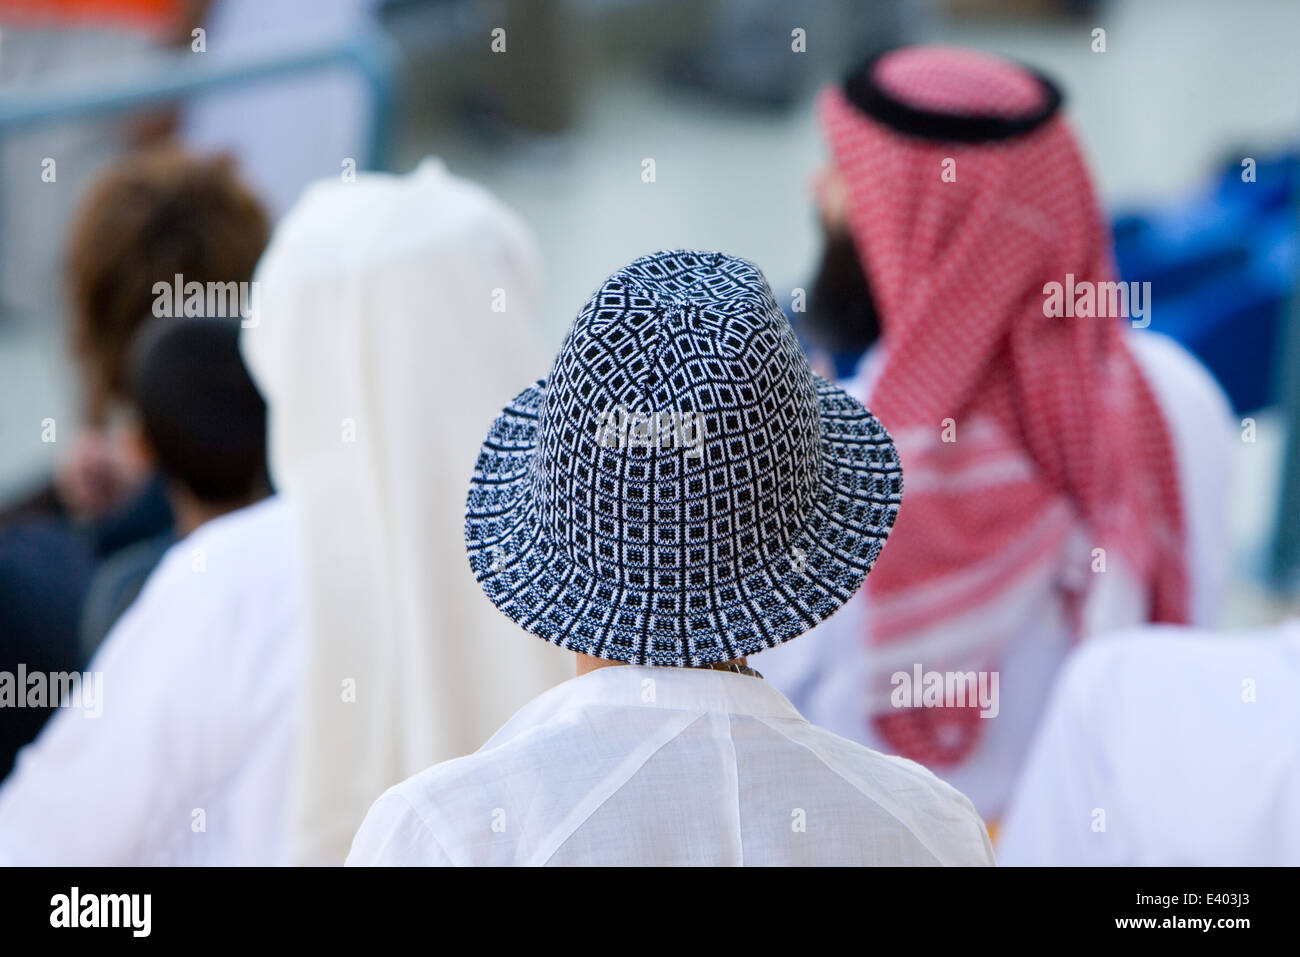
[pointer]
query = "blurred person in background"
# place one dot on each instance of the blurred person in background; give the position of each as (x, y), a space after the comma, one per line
(1065, 475)
(329, 626)
(118, 785)
(663, 553)
(1166, 747)
(202, 428)
(151, 217)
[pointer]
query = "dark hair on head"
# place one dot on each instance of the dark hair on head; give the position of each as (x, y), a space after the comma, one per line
(842, 315)
(150, 217)
(199, 410)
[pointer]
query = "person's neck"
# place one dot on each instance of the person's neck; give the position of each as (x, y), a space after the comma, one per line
(191, 512)
(589, 663)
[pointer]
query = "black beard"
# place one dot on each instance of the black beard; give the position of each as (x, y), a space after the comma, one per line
(841, 314)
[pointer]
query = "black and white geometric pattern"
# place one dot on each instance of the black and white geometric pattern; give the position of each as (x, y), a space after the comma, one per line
(702, 546)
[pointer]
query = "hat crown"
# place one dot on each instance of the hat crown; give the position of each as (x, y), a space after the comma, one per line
(679, 437)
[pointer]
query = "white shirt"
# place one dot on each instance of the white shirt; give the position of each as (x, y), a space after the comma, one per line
(661, 766)
(1165, 747)
(188, 762)
(827, 674)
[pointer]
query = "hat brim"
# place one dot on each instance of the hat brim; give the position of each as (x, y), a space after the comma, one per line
(543, 591)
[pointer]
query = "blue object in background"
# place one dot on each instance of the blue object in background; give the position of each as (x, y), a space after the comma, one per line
(844, 363)
(1221, 267)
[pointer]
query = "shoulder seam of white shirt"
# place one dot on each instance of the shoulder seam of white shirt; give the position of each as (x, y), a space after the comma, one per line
(623, 772)
(853, 784)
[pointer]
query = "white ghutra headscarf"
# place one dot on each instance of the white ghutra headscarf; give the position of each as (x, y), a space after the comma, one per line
(394, 317)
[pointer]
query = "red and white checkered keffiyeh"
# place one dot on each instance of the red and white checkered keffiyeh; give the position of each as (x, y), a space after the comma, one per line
(1055, 427)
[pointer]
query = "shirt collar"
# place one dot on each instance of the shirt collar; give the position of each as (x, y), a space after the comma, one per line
(698, 690)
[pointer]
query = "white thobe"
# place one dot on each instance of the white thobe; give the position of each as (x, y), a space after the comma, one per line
(1165, 747)
(188, 761)
(633, 765)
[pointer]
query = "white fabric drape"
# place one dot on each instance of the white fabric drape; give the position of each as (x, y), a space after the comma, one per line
(394, 319)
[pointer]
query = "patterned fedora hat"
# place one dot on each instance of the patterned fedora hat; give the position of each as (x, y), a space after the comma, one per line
(682, 489)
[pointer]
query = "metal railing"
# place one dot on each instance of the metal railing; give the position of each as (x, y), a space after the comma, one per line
(166, 77)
